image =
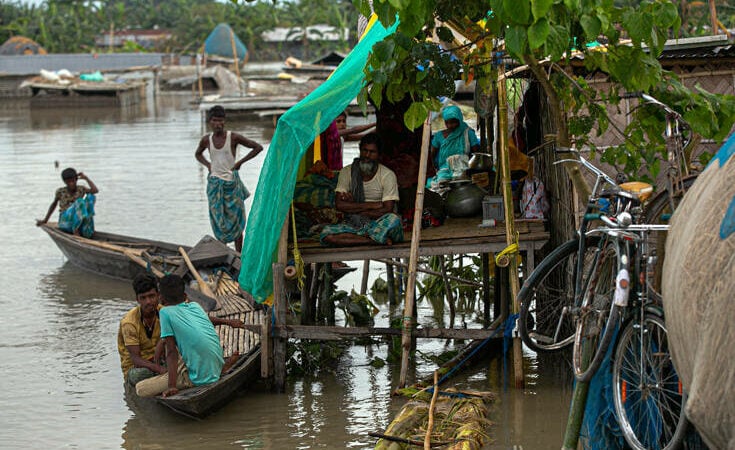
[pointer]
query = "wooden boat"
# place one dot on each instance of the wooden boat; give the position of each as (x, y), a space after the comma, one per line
(215, 272)
(116, 255)
(210, 267)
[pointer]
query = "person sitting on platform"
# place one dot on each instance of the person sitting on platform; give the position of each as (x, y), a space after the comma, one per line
(139, 334)
(366, 193)
(188, 331)
(76, 205)
(457, 140)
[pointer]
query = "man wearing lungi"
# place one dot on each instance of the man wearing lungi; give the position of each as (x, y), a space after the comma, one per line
(366, 193)
(225, 191)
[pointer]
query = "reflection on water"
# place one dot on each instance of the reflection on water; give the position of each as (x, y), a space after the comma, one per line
(60, 372)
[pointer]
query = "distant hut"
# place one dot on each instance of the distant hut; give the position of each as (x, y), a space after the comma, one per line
(21, 45)
(223, 46)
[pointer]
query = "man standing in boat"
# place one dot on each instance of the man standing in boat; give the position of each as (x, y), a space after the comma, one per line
(225, 191)
(188, 331)
(366, 193)
(140, 333)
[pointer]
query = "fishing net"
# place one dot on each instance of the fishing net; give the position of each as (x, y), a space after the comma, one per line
(295, 132)
(698, 285)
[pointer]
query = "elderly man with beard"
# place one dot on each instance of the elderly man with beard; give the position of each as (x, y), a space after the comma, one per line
(366, 193)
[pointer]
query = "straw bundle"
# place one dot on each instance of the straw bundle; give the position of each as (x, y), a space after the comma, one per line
(458, 423)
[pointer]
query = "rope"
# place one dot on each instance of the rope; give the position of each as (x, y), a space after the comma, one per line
(512, 249)
(298, 261)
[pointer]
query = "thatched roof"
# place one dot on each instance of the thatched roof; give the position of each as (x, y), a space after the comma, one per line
(21, 45)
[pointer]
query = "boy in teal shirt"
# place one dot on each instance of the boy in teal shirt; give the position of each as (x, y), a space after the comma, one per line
(187, 331)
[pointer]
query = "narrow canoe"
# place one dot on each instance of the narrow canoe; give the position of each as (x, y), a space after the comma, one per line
(116, 255)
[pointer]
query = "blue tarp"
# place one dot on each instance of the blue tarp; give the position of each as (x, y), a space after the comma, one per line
(295, 132)
(219, 42)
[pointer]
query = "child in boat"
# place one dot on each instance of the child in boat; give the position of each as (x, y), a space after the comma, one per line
(187, 331)
(76, 204)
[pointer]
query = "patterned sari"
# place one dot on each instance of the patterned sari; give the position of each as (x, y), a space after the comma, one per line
(79, 216)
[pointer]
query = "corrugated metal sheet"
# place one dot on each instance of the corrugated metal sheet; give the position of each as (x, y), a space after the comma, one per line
(84, 62)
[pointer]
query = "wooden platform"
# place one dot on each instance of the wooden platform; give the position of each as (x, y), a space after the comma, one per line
(456, 236)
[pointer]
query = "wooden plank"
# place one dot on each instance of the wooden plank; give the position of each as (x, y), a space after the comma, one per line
(448, 247)
(339, 333)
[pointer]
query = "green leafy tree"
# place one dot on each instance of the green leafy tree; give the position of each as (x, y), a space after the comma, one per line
(541, 34)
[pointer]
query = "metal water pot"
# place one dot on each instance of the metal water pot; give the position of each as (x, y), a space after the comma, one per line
(464, 199)
(481, 161)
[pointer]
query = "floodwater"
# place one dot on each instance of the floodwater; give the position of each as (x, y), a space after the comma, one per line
(60, 374)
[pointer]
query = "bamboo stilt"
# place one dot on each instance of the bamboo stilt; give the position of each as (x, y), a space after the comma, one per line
(414, 253)
(430, 426)
(365, 273)
(510, 233)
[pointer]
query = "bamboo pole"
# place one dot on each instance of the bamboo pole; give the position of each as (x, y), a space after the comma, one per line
(414, 255)
(510, 232)
(203, 286)
(237, 60)
(430, 426)
(365, 274)
(200, 60)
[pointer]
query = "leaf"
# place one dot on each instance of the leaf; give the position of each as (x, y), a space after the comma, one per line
(415, 116)
(445, 34)
(515, 40)
(537, 33)
(591, 26)
(540, 8)
(383, 50)
(519, 11)
(557, 42)
(573, 6)
(399, 4)
(665, 14)
(638, 24)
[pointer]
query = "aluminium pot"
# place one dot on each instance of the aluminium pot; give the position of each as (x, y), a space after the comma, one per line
(464, 199)
(481, 161)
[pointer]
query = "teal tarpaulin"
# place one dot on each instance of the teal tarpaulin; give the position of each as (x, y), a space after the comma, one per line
(295, 132)
(219, 42)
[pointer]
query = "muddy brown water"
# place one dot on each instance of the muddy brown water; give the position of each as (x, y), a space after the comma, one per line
(60, 374)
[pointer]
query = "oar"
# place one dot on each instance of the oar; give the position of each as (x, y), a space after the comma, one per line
(108, 246)
(203, 286)
(141, 262)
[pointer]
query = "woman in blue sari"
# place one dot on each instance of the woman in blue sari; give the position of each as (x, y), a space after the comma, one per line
(76, 204)
(457, 139)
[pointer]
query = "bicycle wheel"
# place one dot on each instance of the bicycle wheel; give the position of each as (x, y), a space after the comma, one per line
(547, 297)
(597, 317)
(647, 393)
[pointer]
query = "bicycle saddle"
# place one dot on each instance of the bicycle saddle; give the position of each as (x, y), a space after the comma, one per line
(640, 190)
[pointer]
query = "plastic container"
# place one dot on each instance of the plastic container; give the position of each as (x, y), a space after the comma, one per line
(492, 208)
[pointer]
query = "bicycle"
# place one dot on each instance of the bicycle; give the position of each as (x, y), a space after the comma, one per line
(547, 297)
(551, 297)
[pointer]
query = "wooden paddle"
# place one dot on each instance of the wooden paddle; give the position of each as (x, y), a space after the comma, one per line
(141, 262)
(108, 246)
(203, 286)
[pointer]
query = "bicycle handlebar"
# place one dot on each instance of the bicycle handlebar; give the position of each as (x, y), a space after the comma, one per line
(654, 101)
(591, 167)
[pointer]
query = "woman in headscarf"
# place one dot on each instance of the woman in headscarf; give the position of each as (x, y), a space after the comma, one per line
(457, 139)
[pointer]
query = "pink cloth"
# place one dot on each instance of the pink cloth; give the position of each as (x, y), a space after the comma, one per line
(332, 147)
